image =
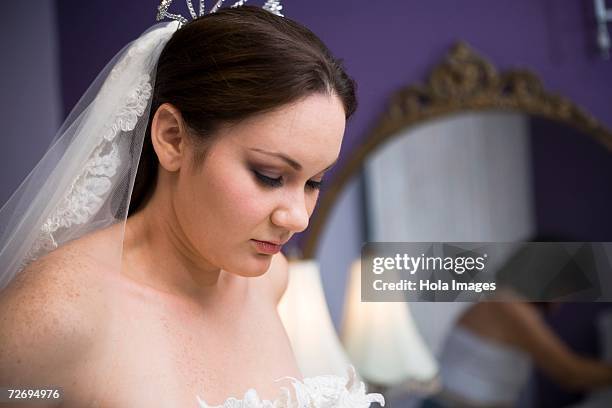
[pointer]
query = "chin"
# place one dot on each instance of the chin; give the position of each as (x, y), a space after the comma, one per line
(253, 265)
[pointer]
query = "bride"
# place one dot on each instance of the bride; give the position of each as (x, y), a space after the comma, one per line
(141, 258)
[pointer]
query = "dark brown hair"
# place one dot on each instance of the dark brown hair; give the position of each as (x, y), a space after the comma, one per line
(225, 67)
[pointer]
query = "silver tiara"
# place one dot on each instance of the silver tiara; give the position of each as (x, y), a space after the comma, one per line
(273, 6)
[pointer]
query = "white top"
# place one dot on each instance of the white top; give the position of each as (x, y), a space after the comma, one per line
(324, 391)
(483, 371)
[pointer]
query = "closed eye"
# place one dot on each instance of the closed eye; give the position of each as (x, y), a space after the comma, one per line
(278, 181)
(269, 181)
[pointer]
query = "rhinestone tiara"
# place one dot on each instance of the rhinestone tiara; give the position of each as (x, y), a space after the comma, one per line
(273, 6)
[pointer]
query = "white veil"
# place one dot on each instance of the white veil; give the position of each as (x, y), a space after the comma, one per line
(85, 179)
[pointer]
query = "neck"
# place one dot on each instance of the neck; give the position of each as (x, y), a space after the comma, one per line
(157, 253)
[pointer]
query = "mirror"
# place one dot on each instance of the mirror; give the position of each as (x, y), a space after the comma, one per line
(473, 155)
(489, 176)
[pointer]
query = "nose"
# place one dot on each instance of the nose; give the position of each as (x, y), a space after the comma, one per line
(292, 213)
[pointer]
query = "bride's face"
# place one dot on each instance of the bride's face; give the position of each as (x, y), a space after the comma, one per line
(258, 182)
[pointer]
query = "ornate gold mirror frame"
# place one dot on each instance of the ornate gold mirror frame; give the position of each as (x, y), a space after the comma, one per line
(463, 81)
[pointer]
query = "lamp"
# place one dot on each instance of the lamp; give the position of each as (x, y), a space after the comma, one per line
(384, 344)
(304, 313)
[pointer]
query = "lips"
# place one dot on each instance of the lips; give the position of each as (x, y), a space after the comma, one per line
(267, 247)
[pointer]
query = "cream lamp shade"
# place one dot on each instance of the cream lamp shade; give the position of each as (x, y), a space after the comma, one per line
(383, 342)
(304, 313)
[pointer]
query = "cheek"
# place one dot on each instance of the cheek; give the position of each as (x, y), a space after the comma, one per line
(226, 201)
(235, 201)
(233, 209)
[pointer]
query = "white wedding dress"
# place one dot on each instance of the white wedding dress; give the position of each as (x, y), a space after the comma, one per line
(323, 391)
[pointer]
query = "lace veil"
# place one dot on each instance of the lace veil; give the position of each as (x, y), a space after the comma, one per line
(85, 179)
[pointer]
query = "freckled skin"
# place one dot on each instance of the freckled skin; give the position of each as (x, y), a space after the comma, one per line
(192, 308)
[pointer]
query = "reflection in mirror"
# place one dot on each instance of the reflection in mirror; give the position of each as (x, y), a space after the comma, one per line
(485, 176)
(463, 178)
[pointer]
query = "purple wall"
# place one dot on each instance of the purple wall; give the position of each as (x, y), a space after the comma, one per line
(30, 110)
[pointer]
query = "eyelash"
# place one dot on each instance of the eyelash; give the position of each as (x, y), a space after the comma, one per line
(277, 182)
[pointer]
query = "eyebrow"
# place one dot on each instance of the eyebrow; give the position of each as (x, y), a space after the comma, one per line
(297, 166)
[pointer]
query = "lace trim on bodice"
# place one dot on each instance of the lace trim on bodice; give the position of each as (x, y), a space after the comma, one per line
(325, 391)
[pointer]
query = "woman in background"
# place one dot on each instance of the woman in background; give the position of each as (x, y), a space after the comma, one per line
(488, 356)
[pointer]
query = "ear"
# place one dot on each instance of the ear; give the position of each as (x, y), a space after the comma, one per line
(168, 134)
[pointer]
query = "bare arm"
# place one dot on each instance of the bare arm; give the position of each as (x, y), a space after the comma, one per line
(44, 329)
(550, 354)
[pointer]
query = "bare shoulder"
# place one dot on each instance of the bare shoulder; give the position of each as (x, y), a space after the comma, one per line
(48, 316)
(509, 312)
(520, 315)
